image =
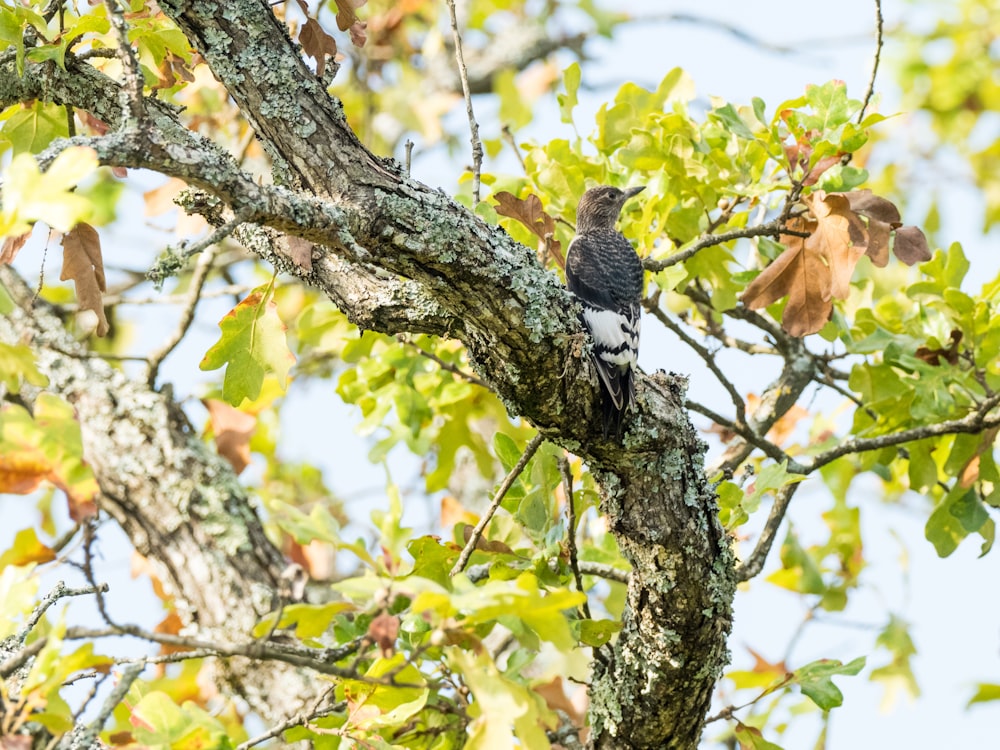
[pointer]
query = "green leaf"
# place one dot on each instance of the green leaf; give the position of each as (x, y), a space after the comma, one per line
(985, 692)
(815, 681)
(750, 737)
(959, 514)
(596, 633)
(29, 196)
(252, 345)
(896, 676)
(567, 101)
(17, 363)
(158, 721)
(31, 128)
(732, 121)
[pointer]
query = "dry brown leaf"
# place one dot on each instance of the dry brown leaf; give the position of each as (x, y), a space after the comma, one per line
(803, 276)
(970, 472)
(161, 200)
(83, 264)
(232, 429)
(317, 44)
(383, 631)
(555, 698)
(839, 236)
(484, 544)
(883, 217)
(529, 212)
(300, 251)
(346, 17)
(910, 246)
(949, 354)
(12, 246)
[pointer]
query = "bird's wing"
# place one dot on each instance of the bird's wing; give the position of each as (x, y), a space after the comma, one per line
(604, 270)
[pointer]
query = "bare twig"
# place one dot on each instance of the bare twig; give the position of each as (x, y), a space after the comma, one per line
(477, 145)
(86, 736)
(728, 711)
(705, 354)
(300, 719)
(321, 660)
(447, 366)
(755, 561)
(602, 570)
(766, 446)
(875, 62)
(59, 591)
(132, 103)
(774, 228)
(975, 421)
(477, 532)
(409, 156)
(193, 295)
(574, 563)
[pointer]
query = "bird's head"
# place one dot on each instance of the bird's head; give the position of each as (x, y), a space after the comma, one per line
(599, 207)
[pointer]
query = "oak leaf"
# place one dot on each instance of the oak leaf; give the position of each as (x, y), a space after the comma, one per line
(317, 44)
(82, 262)
(12, 246)
(383, 630)
(529, 212)
(300, 251)
(949, 354)
(232, 429)
(911, 246)
(801, 274)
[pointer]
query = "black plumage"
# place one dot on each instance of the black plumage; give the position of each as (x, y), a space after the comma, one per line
(605, 274)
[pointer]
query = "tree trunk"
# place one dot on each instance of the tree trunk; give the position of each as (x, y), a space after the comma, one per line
(448, 274)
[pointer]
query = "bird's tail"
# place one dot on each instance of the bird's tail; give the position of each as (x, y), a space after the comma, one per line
(617, 396)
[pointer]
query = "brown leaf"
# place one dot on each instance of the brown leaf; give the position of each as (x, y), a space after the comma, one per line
(866, 203)
(144, 566)
(383, 631)
(801, 274)
(529, 212)
(783, 428)
(883, 217)
(98, 127)
(840, 237)
(970, 472)
(949, 354)
(232, 429)
(300, 251)
(910, 246)
(555, 698)
(82, 262)
(485, 545)
(12, 246)
(815, 269)
(346, 17)
(358, 34)
(317, 43)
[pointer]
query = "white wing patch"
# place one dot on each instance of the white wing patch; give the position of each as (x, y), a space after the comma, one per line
(616, 336)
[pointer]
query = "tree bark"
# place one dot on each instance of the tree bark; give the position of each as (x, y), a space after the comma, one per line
(448, 274)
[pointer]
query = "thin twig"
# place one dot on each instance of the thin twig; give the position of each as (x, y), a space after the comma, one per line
(973, 422)
(298, 720)
(774, 228)
(508, 481)
(409, 156)
(728, 711)
(193, 296)
(508, 135)
(463, 73)
(755, 561)
(133, 105)
(574, 563)
(448, 366)
(59, 591)
(603, 570)
(86, 737)
(875, 62)
(766, 446)
(738, 403)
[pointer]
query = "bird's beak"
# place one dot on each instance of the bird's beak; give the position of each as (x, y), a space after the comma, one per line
(632, 192)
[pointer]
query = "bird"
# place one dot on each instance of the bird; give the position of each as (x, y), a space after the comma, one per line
(605, 274)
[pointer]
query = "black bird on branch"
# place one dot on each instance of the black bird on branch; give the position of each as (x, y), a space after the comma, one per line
(605, 274)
